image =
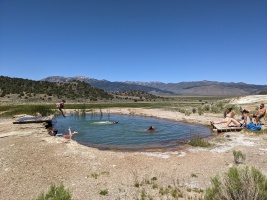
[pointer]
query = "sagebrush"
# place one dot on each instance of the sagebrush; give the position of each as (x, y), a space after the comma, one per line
(244, 183)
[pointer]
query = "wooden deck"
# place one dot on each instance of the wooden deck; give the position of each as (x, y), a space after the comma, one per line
(221, 127)
(25, 120)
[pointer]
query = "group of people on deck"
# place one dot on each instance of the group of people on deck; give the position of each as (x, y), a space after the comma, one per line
(229, 117)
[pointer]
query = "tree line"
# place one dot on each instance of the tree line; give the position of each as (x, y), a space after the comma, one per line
(70, 90)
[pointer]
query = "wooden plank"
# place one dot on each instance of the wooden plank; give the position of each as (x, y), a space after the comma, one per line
(221, 127)
(25, 120)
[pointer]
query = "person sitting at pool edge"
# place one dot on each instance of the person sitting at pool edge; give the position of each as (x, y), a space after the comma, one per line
(259, 114)
(240, 123)
(228, 114)
(151, 128)
(53, 132)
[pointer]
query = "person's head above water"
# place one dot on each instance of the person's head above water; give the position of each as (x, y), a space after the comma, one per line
(115, 122)
(151, 128)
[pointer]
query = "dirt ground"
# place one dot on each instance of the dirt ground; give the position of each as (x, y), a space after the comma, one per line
(31, 160)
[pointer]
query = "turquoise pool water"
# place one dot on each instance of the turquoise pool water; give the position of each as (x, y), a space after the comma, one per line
(129, 133)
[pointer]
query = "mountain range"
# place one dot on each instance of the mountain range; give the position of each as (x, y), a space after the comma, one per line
(196, 88)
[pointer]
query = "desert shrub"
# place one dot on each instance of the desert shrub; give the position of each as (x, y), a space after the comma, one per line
(187, 112)
(238, 156)
(200, 110)
(238, 183)
(215, 109)
(220, 105)
(181, 110)
(206, 107)
(56, 193)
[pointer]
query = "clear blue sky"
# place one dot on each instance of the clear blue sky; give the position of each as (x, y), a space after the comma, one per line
(136, 40)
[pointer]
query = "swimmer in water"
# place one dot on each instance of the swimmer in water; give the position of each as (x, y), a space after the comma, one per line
(106, 122)
(67, 136)
(151, 128)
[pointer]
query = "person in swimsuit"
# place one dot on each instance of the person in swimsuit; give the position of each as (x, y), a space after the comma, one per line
(60, 106)
(228, 114)
(240, 123)
(259, 114)
(69, 136)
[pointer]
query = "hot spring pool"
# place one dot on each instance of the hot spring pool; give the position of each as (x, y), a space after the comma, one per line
(130, 132)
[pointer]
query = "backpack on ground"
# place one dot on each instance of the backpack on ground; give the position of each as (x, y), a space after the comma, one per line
(253, 127)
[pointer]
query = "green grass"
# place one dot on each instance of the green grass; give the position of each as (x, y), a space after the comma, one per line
(239, 157)
(96, 175)
(175, 104)
(103, 192)
(11, 110)
(199, 142)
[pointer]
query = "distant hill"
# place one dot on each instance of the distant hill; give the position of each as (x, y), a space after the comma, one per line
(197, 88)
(207, 88)
(75, 89)
(108, 85)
